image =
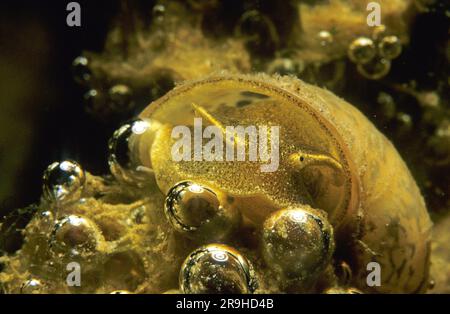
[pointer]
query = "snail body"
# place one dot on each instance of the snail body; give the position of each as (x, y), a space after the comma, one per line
(332, 160)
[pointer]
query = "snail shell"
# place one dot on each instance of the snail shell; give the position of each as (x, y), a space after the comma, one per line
(331, 157)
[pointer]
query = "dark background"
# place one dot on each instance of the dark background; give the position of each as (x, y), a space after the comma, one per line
(62, 129)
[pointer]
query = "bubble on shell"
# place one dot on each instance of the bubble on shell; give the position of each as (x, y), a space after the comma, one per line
(123, 158)
(296, 243)
(196, 212)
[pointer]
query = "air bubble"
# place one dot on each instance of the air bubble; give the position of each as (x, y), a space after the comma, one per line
(375, 69)
(286, 66)
(362, 50)
(325, 38)
(297, 244)
(390, 47)
(80, 70)
(124, 150)
(121, 98)
(75, 235)
(403, 124)
(158, 13)
(217, 268)
(196, 212)
(63, 182)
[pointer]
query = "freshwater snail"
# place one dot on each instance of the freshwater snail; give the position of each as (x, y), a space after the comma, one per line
(333, 162)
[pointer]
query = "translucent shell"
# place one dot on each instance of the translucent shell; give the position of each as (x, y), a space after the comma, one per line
(323, 178)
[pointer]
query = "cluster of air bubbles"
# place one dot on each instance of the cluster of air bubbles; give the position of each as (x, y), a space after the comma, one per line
(219, 269)
(196, 211)
(388, 115)
(63, 182)
(373, 55)
(297, 244)
(123, 159)
(118, 98)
